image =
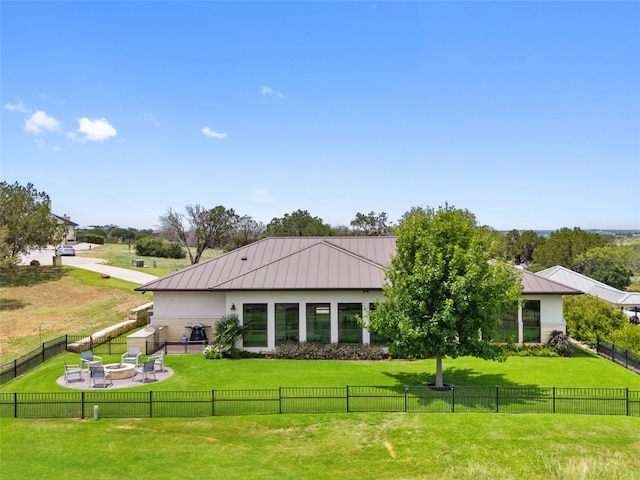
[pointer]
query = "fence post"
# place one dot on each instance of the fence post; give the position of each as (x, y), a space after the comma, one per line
(613, 352)
(82, 404)
(406, 389)
(627, 394)
(347, 398)
(90, 342)
(15, 405)
(150, 403)
(66, 341)
(213, 402)
(43, 353)
(453, 399)
(279, 399)
(626, 358)
(497, 399)
(553, 407)
(15, 368)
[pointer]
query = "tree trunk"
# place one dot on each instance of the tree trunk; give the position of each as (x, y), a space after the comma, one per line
(439, 370)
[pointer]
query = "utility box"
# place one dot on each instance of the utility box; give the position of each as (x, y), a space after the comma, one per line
(137, 263)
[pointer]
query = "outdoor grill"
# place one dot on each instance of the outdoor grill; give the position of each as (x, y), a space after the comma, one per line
(198, 333)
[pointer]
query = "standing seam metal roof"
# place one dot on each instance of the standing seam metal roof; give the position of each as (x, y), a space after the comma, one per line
(308, 263)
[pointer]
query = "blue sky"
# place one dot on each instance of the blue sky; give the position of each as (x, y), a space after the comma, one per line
(525, 113)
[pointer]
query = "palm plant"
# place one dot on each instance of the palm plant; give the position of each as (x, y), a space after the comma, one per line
(227, 331)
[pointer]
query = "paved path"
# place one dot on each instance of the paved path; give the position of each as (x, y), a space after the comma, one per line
(45, 257)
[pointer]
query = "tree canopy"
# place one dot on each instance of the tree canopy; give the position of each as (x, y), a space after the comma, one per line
(298, 224)
(564, 245)
(26, 221)
(444, 293)
(371, 224)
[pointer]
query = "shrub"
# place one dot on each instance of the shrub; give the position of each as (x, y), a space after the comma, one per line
(589, 317)
(560, 343)
(226, 332)
(93, 238)
(156, 247)
(329, 351)
(514, 350)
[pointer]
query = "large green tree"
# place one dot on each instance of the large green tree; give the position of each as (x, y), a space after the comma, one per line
(208, 228)
(26, 221)
(605, 264)
(298, 224)
(371, 224)
(521, 245)
(444, 292)
(564, 245)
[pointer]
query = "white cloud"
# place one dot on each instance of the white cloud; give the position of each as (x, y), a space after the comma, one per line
(40, 122)
(207, 132)
(17, 107)
(268, 91)
(261, 195)
(96, 130)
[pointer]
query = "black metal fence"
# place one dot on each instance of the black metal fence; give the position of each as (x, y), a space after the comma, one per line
(619, 355)
(291, 400)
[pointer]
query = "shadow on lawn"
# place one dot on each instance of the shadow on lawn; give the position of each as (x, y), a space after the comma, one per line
(26, 276)
(451, 376)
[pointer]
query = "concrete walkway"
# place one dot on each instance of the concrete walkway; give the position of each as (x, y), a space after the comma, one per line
(45, 257)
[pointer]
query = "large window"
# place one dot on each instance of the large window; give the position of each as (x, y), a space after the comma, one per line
(507, 330)
(348, 329)
(376, 338)
(531, 321)
(254, 319)
(318, 322)
(287, 322)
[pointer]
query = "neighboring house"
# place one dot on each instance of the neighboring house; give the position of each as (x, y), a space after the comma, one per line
(592, 287)
(312, 289)
(71, 227)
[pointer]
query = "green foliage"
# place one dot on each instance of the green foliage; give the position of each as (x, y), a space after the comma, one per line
(371, 224)
(328, 351)
(606, 265)
(521, 245)
(92, 238)
(564, 245)
(297, 224)
(444, 294)
(225, 335)
(26, 221)
(627, 337)
(155, 247)
(517, 350)
(589, 318)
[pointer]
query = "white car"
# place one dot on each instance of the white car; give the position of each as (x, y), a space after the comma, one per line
(633, 314)
(65, 250)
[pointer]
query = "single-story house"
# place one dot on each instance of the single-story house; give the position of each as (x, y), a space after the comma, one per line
(312, 289)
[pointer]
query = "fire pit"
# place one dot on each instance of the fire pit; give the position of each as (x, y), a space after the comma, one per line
(118, 371)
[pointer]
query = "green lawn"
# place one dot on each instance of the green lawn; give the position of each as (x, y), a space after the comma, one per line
(345, 446)
(194, 372)
(356, 445)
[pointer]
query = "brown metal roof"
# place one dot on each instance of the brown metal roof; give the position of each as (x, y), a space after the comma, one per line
(301, 263)
(307, 263)
(535, 284)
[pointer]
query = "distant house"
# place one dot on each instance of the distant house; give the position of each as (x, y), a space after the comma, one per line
(312, 289)
(591, 287)
(71, 227)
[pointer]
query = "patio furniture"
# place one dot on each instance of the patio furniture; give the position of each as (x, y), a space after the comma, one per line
(90, 360)
(146, 369)
(158, 360)
(101, 374)
(72, 369)
(132, 356)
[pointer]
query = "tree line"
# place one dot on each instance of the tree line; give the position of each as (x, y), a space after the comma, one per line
(26, 223)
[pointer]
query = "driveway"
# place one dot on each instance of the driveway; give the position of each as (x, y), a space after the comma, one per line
(45, 257)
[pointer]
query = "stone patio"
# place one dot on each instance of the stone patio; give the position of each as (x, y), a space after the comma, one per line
(83, 383)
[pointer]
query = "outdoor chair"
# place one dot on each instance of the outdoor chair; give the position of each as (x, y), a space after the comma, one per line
(132, 356)
(90, 360)
(146, 369)
(101, 374)
(72, 369)
(158, 360)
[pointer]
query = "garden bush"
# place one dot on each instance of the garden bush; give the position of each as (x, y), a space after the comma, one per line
(156, 247)
(560, 343)
(328, 351)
